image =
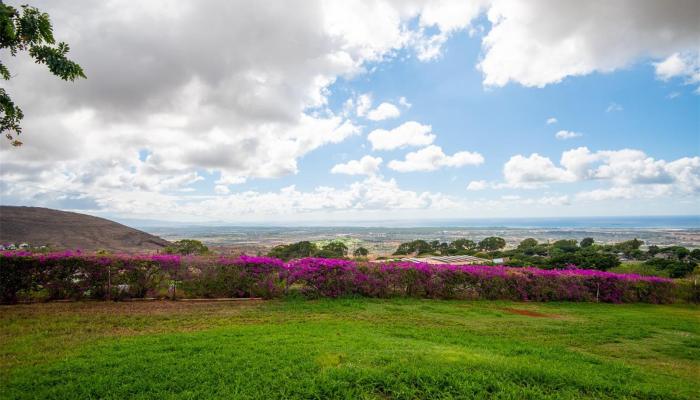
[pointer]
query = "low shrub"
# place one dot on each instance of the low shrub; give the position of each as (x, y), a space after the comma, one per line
(25, 277)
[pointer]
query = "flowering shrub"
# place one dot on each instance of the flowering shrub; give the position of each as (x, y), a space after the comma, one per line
(233, 277)
(323, 277)
(71, 275)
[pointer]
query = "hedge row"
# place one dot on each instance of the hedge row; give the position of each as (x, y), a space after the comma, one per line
(35, 277)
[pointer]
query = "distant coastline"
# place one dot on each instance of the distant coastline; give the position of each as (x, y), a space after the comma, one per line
(625, 222)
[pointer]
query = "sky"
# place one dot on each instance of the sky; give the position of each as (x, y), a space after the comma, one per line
(268, 111)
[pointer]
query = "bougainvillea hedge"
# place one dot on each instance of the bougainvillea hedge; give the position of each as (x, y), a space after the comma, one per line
(70, 275)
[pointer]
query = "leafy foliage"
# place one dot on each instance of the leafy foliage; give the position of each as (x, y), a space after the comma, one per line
(492, 243)
(29, 31)
(419, 247)
(333, 249)
(360, 252)
(587, 242)
(186, 247)
(562, 253)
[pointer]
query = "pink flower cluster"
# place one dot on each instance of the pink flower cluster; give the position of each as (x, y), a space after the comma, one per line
(75, 275)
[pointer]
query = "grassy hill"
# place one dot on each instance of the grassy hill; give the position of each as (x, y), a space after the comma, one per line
(67, 230)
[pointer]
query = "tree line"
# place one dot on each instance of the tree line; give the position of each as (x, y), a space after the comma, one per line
(678, 261)
(333, 249)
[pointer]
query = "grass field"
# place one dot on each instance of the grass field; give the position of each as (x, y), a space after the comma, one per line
(349, 348)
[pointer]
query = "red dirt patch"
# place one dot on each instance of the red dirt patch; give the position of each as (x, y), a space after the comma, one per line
(528, 313)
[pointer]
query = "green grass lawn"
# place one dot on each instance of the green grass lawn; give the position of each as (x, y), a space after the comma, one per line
(350, 349)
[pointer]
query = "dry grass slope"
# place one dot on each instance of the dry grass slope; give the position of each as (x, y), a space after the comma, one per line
(67, 230)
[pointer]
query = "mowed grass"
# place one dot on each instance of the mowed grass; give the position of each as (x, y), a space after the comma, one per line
(349, 349)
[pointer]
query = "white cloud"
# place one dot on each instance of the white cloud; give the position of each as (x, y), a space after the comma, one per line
(554, 200)
(432, 158)
(364, 103)
(367, 165)
(536, 43)
(477, 185)
(510, 197)
(257, 107)
(448, 16)
(404, 102)
(383, 111)
(410, 133)
(551, 121)
(680, 65)
(370, 194)
(563, 135)
(221, 189)
(532, 171)
(629, 173)
(613, 107)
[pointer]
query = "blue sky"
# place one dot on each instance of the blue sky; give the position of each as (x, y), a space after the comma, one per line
(249, 128)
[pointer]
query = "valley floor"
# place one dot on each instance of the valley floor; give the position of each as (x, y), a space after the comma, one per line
(349, 348)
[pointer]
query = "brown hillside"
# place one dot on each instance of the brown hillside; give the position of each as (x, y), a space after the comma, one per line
(67, 230)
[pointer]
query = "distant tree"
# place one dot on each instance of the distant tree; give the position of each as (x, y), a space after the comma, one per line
(695, 254)
(492, 243)
(187, 247)
(419, 247)
(653, 250)
(675, 268)
(333, 250)
(563, 260)
(29, 31)
(527, 243)
(295, 250)
(628, 247)
(567, 246)
(680, 252)
(600, 261)
(587, 242)
(360, 252)
(462, 245)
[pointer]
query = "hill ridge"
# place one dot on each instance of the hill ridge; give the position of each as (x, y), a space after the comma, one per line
(70, 230)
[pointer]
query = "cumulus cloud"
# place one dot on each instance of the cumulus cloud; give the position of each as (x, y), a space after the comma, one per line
(367, 165)
(384, 111)
(551, 121)
(221, 189)
(432, 158)
(448, 16)
(197, 100)
(201, 98)
(629, 173)
(477, 185)
(563, 135)
(364, 103)
(532, 171)
(410, 133)
(536, 43)
(680, 65)
(372, 193)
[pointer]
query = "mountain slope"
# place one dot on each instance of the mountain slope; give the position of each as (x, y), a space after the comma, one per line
(67, 230)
